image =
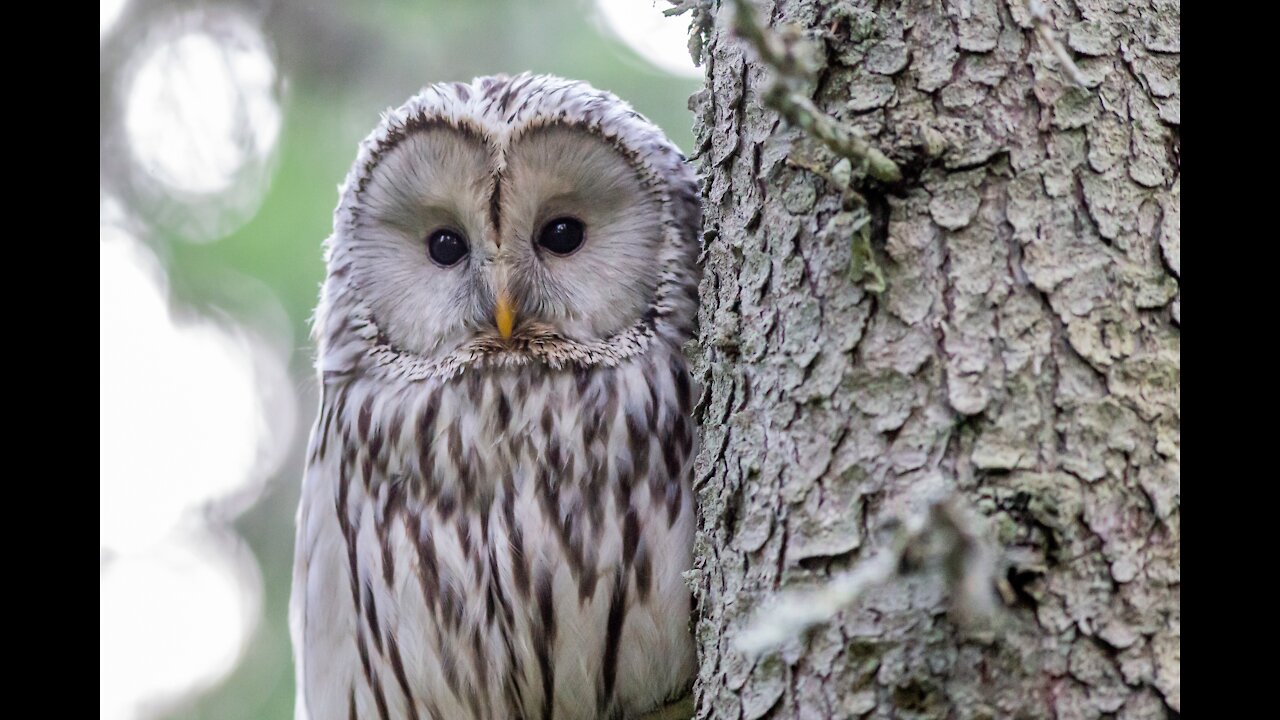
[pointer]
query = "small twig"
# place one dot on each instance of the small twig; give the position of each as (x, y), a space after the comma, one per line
(864, 269)
(680, 7)
(783, 53)
(699, 23)
(839, 176)
(946, 537)
(1044, 28)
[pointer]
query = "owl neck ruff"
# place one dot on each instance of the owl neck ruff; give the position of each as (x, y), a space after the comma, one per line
(527, 347)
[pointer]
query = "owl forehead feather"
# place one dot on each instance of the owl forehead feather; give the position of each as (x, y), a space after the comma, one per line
(504, 108)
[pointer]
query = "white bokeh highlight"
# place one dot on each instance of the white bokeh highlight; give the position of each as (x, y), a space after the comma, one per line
(191, 426)
(201, 107)
(174, 620)
(181, 415)
(662, 41)
(109, 12)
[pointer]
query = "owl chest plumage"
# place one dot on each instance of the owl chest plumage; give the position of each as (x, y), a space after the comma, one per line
(505, 543)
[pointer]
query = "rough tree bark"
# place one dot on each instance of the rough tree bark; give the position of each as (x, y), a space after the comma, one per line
(1022, 352)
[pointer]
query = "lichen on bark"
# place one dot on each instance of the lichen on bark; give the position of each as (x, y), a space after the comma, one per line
(1023, 355)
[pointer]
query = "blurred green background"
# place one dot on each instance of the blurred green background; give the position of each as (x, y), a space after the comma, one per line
(247, 255)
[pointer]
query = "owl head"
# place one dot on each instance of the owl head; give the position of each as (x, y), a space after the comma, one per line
(509, 220)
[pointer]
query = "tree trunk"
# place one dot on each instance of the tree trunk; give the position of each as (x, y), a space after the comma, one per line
(1009, 332)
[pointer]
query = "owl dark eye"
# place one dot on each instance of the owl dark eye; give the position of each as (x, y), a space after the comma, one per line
(446, 247)
(562, 235)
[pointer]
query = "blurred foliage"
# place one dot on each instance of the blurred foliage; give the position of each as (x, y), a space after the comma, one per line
(342, 65)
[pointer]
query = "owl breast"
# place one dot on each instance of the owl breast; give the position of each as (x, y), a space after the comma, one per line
(505, 543)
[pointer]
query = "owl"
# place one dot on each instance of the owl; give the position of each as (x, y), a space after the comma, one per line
(496, 509)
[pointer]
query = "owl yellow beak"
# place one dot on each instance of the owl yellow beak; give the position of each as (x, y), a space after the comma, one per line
(505, 315)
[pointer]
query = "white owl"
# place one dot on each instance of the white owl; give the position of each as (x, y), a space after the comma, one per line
(497, 509)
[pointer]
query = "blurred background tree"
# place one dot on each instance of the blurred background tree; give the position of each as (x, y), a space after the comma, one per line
(225, 128)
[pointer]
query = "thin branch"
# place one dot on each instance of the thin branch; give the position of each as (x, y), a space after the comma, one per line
(800, 111)
(794, 613)
(947, 537)
(783, 53)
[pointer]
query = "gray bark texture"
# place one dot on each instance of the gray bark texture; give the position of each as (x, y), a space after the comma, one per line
(1005, 330)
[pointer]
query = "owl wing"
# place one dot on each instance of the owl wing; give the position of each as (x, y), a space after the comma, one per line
(321, 612)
